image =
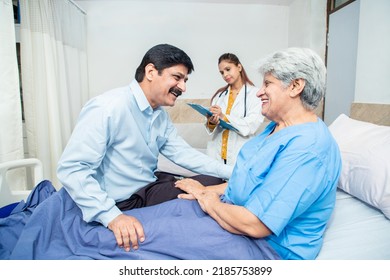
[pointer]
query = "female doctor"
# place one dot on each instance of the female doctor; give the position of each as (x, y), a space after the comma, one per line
(237, 104)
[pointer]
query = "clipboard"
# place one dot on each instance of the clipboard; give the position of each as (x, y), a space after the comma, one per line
(205, 112)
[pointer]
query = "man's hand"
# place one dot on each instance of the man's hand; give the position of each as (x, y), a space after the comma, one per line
(128, 231)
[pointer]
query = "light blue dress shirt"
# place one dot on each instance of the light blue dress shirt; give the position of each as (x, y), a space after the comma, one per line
(288, 180)
(114, 148)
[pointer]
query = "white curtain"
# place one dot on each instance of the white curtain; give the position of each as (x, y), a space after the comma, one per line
(54, 76)
(11, 138)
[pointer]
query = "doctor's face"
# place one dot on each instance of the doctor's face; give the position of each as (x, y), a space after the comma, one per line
(230, 72)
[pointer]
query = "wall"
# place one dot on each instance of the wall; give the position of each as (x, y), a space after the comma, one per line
(373, 56)
(358, 58)
(341, 64)
(120, 32)
(307, 25)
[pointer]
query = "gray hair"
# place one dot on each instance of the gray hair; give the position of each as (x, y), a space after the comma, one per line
(298, 63)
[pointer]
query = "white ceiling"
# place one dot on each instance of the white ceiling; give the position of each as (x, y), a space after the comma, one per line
(264, 2)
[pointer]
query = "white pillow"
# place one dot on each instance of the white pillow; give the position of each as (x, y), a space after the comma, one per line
(365, 152)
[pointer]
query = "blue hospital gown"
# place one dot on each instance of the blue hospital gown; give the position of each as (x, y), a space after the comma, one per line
(288, 180)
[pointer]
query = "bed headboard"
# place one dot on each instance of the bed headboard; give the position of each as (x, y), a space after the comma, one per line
(373, 113)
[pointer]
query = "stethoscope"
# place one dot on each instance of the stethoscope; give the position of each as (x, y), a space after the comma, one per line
(226, 91)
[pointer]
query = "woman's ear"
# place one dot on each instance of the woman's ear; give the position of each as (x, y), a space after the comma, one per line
(297, 87)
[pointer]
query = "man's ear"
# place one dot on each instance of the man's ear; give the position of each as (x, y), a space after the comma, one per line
(149, 71)
(297, 87)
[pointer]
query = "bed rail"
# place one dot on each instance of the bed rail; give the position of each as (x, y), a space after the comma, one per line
(7, 195)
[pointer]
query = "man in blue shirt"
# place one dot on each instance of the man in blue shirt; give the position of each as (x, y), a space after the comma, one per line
(115, 144)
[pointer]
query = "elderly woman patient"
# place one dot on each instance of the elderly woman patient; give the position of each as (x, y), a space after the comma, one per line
(283, 186)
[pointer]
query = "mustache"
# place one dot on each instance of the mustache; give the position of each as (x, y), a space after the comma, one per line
(176, 92)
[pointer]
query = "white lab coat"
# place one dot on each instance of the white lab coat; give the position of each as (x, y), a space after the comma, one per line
(248, 126)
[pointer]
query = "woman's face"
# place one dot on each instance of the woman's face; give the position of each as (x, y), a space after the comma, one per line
(230, 72)
(275, 98)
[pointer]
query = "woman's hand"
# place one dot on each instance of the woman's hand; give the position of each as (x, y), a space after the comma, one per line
(235, 219)
(192, 188)
(217, 112)
(206, 196)
(208, 200)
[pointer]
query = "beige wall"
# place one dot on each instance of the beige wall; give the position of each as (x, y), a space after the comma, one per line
(374, 113)
(182, 113)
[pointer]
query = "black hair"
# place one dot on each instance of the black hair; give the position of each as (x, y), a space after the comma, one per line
(232, 58)
(163, 56)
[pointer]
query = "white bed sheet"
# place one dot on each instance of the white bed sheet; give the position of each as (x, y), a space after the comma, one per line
(356, 231)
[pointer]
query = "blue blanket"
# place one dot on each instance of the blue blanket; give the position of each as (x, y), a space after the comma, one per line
(49, 225)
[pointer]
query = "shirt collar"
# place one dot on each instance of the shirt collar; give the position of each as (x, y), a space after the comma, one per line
(141, 100)
(139, 95)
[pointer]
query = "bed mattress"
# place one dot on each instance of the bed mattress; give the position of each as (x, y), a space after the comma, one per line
(357, 231)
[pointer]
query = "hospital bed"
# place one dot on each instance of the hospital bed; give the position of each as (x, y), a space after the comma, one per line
(360, 225)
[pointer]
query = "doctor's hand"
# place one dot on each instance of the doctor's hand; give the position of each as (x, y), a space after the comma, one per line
(217, 112)
(128, 231)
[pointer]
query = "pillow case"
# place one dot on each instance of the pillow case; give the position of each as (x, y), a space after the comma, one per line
(365, 152)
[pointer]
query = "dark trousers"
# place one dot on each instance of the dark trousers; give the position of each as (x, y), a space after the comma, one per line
(163, 189)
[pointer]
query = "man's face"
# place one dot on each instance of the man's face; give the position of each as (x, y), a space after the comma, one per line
(168, 85)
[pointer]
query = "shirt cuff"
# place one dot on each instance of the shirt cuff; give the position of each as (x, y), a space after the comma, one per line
(106, 217)
(210, 125)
